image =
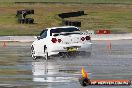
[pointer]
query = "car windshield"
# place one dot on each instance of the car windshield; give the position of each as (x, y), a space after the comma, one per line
(64, 30)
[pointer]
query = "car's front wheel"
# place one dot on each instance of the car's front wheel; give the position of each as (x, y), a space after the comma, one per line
(33, 52)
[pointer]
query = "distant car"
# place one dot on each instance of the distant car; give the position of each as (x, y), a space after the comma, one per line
(60, 41)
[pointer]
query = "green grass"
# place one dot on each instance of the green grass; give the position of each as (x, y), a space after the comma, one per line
(77, 1)
(114, 21)
(116, 17)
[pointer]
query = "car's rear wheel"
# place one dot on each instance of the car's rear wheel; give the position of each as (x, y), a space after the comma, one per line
(67, 54)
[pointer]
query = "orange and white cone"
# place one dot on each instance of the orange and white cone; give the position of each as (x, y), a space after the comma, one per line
(4, 45)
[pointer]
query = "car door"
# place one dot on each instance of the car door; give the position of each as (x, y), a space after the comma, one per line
(42, 41)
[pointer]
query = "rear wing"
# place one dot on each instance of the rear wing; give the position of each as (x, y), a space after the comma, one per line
(66, 33)
(84, 33)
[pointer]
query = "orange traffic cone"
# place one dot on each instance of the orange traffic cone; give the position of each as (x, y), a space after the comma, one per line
(84, 74)
(4, 45)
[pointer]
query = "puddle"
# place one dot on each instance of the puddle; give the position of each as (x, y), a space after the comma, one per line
(18, 70)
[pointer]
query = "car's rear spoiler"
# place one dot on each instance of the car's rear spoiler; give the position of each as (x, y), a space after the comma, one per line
(65, 33)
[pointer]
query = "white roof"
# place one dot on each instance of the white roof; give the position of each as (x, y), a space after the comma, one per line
(62, 27)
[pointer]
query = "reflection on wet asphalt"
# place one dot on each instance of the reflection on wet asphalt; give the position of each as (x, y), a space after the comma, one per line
(17, 69)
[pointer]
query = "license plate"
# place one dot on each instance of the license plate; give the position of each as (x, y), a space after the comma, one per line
(71, 49)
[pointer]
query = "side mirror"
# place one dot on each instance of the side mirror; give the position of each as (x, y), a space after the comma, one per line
(38, 37)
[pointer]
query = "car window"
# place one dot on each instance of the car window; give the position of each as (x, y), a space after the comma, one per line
(59, 30)
(43, 34)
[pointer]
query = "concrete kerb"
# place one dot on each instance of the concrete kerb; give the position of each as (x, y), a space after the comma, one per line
(112, 36)
(93, 37)
(17, 38)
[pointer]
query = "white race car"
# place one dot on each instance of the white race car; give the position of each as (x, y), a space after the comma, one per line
(60, 41)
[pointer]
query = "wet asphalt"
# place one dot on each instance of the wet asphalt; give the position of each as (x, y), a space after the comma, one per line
(108, 60)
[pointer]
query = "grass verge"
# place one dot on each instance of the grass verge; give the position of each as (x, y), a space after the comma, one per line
(116, 17)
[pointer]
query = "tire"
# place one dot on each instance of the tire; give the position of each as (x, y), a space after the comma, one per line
(29, 11)
(30, 20)
(26, 21)
(26, 11)
(84, 81)
(67, 55)
(22, 21)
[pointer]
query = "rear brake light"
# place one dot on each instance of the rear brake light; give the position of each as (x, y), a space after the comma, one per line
(82, 38)
(88, 38)
(54, 40)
